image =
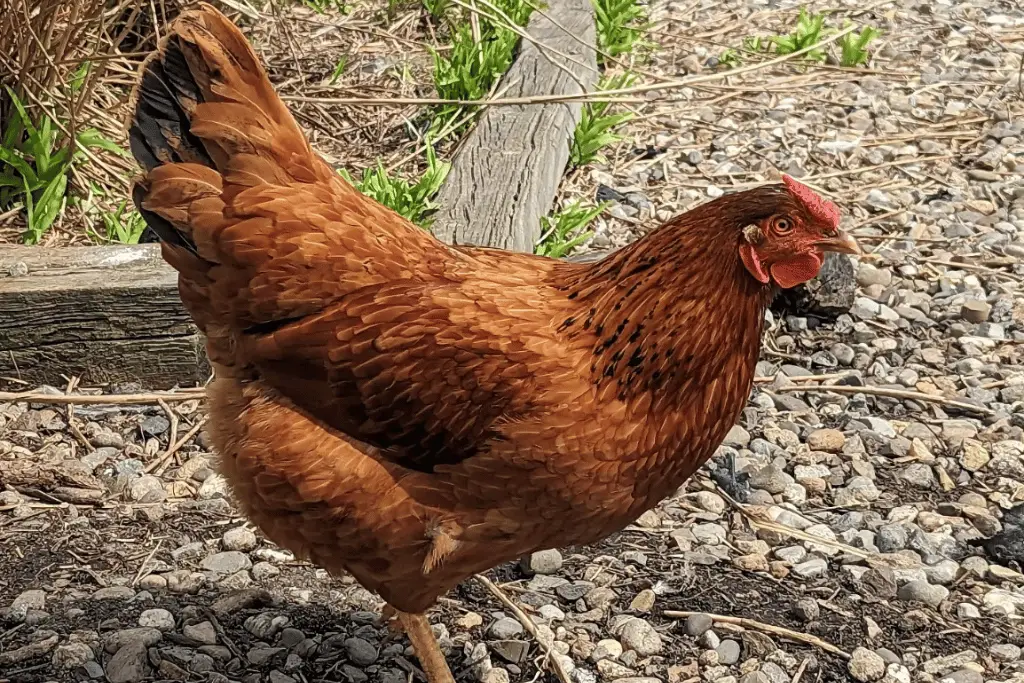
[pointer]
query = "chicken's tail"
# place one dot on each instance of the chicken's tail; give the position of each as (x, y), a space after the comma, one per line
(207, 116)
(206, 127)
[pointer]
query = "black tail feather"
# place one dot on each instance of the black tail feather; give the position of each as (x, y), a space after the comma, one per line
(167, 93)
(160, 226)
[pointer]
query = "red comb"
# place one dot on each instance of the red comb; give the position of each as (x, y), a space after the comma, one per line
(822, 209)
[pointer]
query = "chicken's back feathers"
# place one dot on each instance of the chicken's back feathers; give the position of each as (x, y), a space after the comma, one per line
(261, 229)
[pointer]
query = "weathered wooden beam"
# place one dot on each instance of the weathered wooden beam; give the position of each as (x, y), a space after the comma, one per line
(105, 314)
(506, 173)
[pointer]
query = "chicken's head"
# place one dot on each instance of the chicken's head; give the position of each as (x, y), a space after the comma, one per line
(788, 246)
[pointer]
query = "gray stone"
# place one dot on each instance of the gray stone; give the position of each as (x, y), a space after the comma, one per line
(28, 600)
(922, 591)
(774, 673)
(771, 479)
(891, 537)
(918, 475)
(114, 593)
(728, 652)
(239, 539)
(865, 665)
(542, 562)
(697, 624)
(806, 609)
(812, 568)
(72, 655)
(203, 633)
(506, 628)
(360, 652)
(1005, 652)
(975, 311)
(160, 619)
(227, 562)
(964, 676)
(638, 635)
(113, 642)
(130, 664)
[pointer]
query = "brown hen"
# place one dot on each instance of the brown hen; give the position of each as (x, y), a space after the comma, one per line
(412, 413)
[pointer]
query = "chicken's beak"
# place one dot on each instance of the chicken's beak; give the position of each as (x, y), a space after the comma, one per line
(842, 242)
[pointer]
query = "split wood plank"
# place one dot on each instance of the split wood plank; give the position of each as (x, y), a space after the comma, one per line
(506, 173)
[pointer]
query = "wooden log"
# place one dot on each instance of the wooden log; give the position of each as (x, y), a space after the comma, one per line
(106, 314)
(505, 175)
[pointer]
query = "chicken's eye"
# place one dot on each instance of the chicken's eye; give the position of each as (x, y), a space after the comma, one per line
(781, 225)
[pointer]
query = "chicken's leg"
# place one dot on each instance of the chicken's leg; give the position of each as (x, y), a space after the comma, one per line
(427, 650)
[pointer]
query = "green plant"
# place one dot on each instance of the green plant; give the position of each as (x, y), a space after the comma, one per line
(620, 26)
(853, 47)
(564, 231)
(810, 29)
(339, 69)
(438, 9)
(324, 6)
(411, 200)
(124, 224)
(35, 162)
(730, 58)
(471, 67)
(595, 131)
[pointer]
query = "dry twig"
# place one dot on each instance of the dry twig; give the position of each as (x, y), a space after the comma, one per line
(892, 393)
(103, 399)
(160, 465)
(767, 628)
(528, 624)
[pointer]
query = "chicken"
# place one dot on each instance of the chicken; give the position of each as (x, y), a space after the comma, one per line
(412, 413)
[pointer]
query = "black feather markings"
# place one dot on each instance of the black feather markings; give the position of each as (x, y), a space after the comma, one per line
(163, 228)
(160, 132)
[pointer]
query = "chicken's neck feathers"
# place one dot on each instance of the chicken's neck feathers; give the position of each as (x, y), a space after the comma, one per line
(674, 309)
(676, 324)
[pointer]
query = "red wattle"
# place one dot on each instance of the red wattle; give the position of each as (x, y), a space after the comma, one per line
(794, 271)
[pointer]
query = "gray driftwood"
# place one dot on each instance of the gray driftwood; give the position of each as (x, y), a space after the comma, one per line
(112, 314)
(105, 314)
(506, 173)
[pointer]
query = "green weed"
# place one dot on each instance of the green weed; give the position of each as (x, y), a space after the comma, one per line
(853, 47)
(596, 129)
(339, 69)
(564, 231)
(472, 67)
(325, 6)
(411, 200)
(437, 9)
(620, 26)
(730, 58)
(35, 162)
(810, 29)
(124, 224)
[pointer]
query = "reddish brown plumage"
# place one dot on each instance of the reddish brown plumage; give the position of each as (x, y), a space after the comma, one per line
(410, 412)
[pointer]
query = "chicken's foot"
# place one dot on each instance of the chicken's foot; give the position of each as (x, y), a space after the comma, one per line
(427, 650)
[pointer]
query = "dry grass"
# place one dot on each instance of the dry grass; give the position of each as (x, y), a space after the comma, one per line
(68, 61)
(45, 43)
